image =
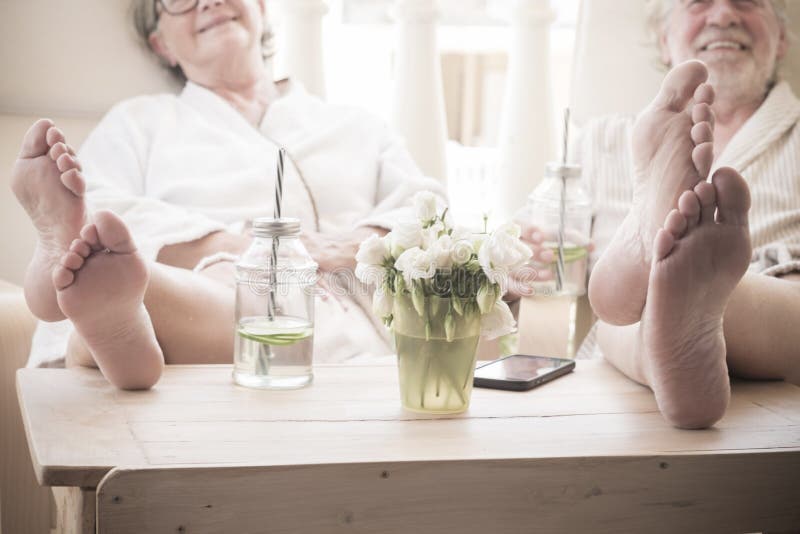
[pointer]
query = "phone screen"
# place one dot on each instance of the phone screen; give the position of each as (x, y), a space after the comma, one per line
(520, 372)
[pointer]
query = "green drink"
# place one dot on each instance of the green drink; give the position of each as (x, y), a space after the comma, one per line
(273, 353)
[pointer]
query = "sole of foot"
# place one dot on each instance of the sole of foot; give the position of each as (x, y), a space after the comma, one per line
(699, 256)
(47, 181)
(672, 152)
(100, 283)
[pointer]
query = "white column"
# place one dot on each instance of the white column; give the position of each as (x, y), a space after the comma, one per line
(526, 137)
(302, 42)
(418, 96)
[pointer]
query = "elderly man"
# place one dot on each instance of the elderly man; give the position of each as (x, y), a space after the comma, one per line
(694, 281)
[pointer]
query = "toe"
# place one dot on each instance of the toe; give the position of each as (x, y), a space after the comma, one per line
(66, 162)
(74, 181)
(81, 247)
(702, 133)
(689, 207)
(113, 232)
(707, 197)
(680, 84)
(675, 223)
(703, 157)
(54, 135)
(57, 150)
(34, 143)
(703, 113)
(732, 195)
(62, 277)
(704, 94)
(89, 235)
(72, 260)
(663, 244)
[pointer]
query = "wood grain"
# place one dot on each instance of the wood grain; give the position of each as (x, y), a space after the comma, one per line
(75, 509)
(25, 506)
(693, 493)
(79, 427)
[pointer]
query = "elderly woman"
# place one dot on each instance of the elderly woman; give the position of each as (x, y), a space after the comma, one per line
(693, 282)
(136, 234)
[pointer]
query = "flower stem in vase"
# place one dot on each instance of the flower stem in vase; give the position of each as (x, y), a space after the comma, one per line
(428, 356)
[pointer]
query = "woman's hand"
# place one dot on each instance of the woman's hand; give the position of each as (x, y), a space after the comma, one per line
(336, 253)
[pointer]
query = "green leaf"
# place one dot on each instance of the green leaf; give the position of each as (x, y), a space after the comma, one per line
(399, 284)
(449, 326)
(486, 297)
(418, 298)
(457, 305)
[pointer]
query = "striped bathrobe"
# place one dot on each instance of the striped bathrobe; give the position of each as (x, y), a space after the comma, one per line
(766, 151)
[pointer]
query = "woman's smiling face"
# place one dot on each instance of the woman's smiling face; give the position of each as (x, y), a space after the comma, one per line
(215, 32)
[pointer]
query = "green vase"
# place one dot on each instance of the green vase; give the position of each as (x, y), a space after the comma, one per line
(436, 369)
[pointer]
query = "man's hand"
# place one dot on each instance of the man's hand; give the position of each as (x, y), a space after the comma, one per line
(539, 269)
(520, 281)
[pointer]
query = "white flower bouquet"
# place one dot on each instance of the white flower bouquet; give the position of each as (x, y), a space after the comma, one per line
(439, 288)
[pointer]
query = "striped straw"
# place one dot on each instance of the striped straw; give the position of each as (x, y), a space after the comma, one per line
(279, 184)
(271, 305)
(560, 272)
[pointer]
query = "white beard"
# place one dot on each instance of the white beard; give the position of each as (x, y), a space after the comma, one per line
(740, 81)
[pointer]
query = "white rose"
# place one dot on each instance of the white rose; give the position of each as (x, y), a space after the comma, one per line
(462, 246)
(373, 250)
(431, 234)
(424, 204)
(370, 274)
(502, 252)
(382, 303)
(441, 251)
(405, 235)
(498, 322)
(415, 264)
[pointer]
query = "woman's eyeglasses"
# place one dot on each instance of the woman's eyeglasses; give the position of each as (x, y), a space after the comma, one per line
(176, 7)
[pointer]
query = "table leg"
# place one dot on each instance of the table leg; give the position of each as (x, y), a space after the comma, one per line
(75, 509)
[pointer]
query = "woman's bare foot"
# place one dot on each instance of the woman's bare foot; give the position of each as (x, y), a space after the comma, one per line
(697, 263)
(672, 151)
(100, 284)
(47, 181)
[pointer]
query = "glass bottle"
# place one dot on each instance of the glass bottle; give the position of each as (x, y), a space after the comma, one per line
(552, 305)
(275, 282)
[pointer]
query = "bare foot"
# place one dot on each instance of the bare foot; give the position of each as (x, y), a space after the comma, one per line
(697, 262)
(100, 284)
(672, 151)
(47, 181)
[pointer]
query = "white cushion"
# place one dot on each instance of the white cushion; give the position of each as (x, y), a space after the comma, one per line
(616, 68)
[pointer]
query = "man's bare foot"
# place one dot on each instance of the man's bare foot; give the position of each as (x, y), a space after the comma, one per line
(47, 181)
(697, 262)
(672, 151)
(100, 284)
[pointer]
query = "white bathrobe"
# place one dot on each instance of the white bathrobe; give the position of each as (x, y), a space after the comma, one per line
(178, 167)
(766, 151)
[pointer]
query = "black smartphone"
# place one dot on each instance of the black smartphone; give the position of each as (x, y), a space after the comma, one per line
(520, 372)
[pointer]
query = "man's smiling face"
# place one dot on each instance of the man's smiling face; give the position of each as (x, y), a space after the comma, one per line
(740, 41)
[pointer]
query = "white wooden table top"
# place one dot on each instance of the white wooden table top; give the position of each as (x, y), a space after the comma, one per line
(79, 427)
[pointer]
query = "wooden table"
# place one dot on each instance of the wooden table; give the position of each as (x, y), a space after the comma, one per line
(586, 453)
